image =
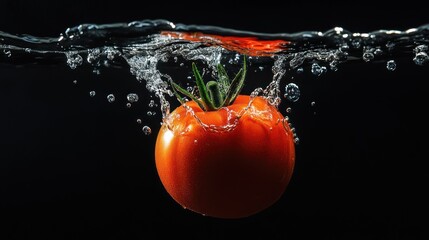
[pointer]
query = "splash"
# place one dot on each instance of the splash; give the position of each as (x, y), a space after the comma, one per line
(149, 47)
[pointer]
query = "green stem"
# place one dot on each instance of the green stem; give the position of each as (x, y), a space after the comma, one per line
(216, 94)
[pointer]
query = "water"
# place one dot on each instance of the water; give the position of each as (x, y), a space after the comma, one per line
(151, 48)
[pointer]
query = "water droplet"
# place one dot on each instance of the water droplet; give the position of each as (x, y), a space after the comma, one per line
(300, 70)
(344, 48)
(149, 113)
(132, 97)
(420, 48)
(378, 51)
(296, 140)
(333, 65)
(313, 104)
(189, 77)
(289, 109)
(92, 93)
(261, 68)
(195, 141)
(181, 64)
(356, 43)
(367, 56)
(147, 130)
(421, 58)
(110, 98)
(317, 70)
(391, 65)
(7, 52)
(128, 105)
(190, 89)
(139, 121)
(74, 81)
(74, 59)
(292, 92)
(390, 45)
(151, 103)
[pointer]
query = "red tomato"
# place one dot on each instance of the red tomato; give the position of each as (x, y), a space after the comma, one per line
(230, 174)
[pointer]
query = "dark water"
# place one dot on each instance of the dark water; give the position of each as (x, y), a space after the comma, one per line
(75, 161)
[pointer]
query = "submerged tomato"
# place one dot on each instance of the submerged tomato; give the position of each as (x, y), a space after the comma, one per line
(226, 174)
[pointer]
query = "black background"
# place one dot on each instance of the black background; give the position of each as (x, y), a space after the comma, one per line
(75, 167)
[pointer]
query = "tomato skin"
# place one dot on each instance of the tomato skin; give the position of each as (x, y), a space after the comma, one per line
(230, 174)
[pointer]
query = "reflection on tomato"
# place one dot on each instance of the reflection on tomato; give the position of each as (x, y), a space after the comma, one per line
(251, 46)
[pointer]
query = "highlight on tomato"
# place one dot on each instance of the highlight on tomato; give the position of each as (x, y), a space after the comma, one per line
(223, 154)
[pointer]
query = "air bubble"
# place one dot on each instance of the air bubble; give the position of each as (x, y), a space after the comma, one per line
(292, 92)
(421, 58)
(110, 98)
(7, 52)
(139, 121)
(356, 43)
(74, 81)
(296, 140)
(368, 56)
(420, 48)
(128, 105)
(378, 51)
(289, 110)
(317, 70)
(391, 65)
(132, 97)
(92, 93)
(147, 130)
(151, 103)
(300, 70)
(313, 104)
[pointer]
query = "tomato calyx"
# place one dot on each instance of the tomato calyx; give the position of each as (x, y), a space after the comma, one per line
(215, 94)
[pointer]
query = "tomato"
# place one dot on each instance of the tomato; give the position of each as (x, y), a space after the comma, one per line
(226, 174)
(224, 154)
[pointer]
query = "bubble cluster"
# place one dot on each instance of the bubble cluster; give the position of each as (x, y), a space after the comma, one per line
(73, 59)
